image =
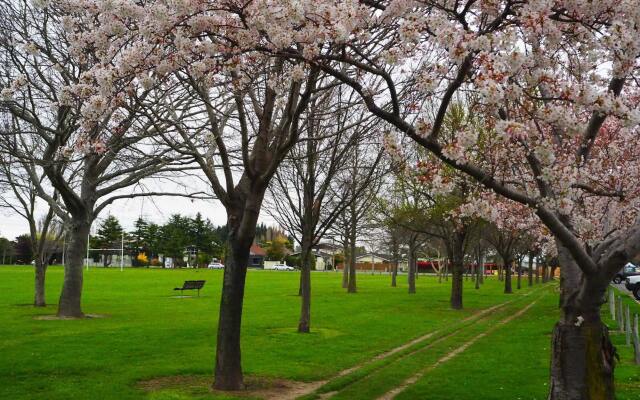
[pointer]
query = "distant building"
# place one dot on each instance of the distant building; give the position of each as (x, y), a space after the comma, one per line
(256, 256)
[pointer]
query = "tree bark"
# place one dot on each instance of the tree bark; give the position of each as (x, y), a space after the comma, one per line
(394, 274)
(530, 271)
(70, 297)
(507, 277)
(457, 269)
(40, 272)
(582, 360)
(519, 279)
(304, 325)
(411, 276)
(228, 369)
(345, 264)
(351, 286)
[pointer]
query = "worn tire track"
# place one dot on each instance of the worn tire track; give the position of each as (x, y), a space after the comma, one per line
(474, 318)
(414, 378)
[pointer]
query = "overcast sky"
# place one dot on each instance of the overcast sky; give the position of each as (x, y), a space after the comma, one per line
(127, 211)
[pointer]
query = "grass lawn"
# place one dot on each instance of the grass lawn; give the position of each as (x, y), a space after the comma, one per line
(147, 333)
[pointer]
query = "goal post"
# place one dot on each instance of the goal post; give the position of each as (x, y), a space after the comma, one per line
(121, 250)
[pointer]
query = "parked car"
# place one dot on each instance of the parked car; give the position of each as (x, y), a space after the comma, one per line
(633, 284)
(282, 267)
(215, 265)
(626, 271)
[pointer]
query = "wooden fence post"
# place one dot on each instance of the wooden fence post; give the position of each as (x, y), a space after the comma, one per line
(620, 315)
(627, 325)
(612, 303)
(636, 340)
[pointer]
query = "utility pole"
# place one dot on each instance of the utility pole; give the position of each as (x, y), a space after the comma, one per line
(122, 253)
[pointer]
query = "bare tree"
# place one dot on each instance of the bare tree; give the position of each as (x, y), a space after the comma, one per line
(357, 185)
(299, 194)
(20, 196)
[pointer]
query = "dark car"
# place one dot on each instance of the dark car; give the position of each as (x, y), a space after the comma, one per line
(627, 270)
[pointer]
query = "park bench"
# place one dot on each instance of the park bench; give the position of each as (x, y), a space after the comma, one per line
(191, 285)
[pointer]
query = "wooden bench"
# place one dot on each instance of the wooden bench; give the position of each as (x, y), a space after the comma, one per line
(191, 285)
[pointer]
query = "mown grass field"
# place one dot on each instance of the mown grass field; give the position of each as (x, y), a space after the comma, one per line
(147, 333)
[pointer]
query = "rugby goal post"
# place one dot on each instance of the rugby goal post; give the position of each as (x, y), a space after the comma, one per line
(121, 249)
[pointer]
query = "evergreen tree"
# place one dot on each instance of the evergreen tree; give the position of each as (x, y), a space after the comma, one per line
(109, 236)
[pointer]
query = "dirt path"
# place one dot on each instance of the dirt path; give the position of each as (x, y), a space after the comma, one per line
(414, 378)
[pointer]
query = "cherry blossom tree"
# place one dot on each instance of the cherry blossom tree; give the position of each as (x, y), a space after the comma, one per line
(554, 82)
(88, 162)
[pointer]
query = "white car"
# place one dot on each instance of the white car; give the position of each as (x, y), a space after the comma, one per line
(633, 284)
(283, 267)
(215, 265)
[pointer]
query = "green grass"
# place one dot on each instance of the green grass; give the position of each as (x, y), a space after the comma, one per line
(146, 333)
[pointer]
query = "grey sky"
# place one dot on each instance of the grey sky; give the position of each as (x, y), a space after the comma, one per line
(127, 211)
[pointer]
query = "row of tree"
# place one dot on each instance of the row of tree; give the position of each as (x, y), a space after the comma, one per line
(511, 126)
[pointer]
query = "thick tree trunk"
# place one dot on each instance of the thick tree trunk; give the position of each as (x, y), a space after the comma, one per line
(507, 277)
(582, 358)
(582, 362)
(304, 324)
(228, 369)
(478, 275)
(537, 273)
(40, 271)
(70, 297)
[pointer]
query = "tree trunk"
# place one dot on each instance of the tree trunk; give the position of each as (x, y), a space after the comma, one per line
(582, 359)
(351, 287)
(457, 269)
(479, 271)
(228, 369)
(519, 279)
(40, 271)
(411, 276)
(538, 272)
(394, 274)
(530, 271)
(507, 277)
(304, 324)
(70, 297)
(552, 272)
(345, 264)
